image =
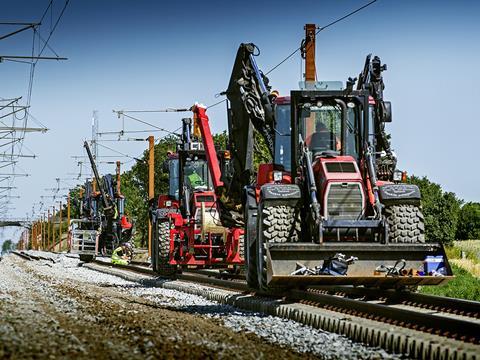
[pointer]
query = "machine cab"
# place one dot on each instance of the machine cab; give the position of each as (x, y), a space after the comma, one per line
(195, 183)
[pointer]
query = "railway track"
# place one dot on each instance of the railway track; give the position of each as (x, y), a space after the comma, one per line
(446, 317)
(421, 326)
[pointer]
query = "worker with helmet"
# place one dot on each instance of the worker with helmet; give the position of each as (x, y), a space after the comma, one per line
(194, 180)
(122, 254)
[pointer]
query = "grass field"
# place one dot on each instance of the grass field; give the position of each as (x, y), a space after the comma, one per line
(466, 284)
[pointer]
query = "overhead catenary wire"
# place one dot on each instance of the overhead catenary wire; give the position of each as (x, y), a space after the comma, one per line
(122, 132)
(38, 46)
(217, 103)
(54, 26)
(166, 110)
(149, 124)
(120, 153)
(33, 61)
(321, 29)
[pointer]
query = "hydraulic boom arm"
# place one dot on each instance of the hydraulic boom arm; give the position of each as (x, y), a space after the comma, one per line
(107, 204)
(201, 120)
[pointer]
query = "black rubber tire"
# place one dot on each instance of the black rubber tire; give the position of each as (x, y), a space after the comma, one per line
(249, 251)
(406, 223)
(250, 254)
(154, 257)
(276, 224)
(163, 252)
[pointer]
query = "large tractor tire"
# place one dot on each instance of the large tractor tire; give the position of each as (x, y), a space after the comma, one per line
(162, 246)
(276, 224)
(250, 252)
(405, 223)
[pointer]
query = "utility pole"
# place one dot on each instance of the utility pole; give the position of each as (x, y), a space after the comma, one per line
(151, 187)
(31, 234)
(43, 231)
(53, 228)
(60, 228)
(309, 53)
(39, 234)
(48, 230)
(36, 235)
(68, 223)
(45, 235)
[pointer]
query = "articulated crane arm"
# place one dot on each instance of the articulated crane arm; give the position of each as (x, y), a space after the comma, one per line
(230, 211)
(201, 121)
(371, 79)
(108, 206)
(250, 109)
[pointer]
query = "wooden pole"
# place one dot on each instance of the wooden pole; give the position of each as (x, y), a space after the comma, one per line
(151, 181)
(68, 223)
(35, 234)
(48, 230)
(43, 231)
(309, 51)
(53, 228)
(31, 235)
(38, 234)
(60, 228)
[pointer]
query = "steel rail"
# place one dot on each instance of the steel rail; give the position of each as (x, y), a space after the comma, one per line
(432, 302)
(185, 276)
(22, 255)
(457, 328)
(390, 297)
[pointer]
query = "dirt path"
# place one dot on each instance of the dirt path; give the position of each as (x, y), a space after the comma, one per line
(44, 318)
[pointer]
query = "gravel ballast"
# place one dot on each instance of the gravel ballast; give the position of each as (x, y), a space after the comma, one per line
(72, 288)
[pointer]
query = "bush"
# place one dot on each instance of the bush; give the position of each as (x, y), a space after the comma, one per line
(7, 246)
(441, 210)
(469, 222)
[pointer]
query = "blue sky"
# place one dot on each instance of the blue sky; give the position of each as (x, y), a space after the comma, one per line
(152, 54)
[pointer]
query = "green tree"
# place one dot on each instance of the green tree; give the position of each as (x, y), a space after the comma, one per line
(261, 154)
(221, 140)
(441, 210)
(469, 222)
(7, 246)
(75, 200)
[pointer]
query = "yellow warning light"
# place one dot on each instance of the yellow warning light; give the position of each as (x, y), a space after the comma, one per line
(226, 154)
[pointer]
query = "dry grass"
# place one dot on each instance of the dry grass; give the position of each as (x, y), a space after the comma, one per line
(470, 247)
(471, 255)
(467, 264)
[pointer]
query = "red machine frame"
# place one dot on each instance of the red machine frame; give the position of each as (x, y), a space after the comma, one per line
(190, 245)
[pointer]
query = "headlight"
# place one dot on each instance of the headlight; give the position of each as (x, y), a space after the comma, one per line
(397, 175)
(277, 176)
(168, 203)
